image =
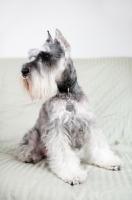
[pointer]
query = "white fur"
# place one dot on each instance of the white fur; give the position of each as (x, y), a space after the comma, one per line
(58, 132)
(59, 142)
(62, 159)
(35, 52)
(42, 86)
(57, 137)
(57, 72)
(64, 44)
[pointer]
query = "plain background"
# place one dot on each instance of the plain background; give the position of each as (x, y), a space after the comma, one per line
(94, 28)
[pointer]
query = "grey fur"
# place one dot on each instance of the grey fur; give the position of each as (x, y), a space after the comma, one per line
(58, 132)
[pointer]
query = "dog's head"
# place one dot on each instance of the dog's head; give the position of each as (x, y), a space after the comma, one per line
(52, 67)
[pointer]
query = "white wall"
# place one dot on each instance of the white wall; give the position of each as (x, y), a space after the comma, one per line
(94, 28)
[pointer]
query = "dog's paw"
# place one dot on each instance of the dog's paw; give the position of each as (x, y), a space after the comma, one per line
(30, 159)
(115, 168)
(76, 178)
(115, 164)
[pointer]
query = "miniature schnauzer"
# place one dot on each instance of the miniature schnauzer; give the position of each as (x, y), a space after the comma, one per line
(66, 120)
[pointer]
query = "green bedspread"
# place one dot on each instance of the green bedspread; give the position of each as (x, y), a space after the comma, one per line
(108, 85)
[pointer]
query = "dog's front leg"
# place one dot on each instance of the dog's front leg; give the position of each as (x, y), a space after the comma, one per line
(61, 158)
(98, 152)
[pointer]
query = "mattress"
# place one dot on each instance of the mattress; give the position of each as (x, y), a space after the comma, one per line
(107, 83)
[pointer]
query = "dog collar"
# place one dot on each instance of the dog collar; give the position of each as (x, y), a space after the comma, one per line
(68, 88)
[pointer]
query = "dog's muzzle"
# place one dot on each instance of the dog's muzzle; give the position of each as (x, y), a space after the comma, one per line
(24, 72)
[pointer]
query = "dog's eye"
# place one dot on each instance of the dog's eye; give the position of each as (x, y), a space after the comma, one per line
(46, 56)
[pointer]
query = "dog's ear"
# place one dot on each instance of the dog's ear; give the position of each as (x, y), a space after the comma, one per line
(49, 39)
(64, 44)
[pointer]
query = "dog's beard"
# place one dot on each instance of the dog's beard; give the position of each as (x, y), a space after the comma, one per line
(40, 85)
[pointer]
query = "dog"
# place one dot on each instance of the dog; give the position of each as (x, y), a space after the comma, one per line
(66, 120)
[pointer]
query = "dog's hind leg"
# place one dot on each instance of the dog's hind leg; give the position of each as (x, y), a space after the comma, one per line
(98, 152)
(30, 149)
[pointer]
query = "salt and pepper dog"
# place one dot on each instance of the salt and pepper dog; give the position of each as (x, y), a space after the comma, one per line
(66, 120)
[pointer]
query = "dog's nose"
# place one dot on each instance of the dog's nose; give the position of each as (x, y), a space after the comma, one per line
(25, 71)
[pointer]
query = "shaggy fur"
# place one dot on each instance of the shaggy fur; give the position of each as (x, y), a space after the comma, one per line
(58, 132)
